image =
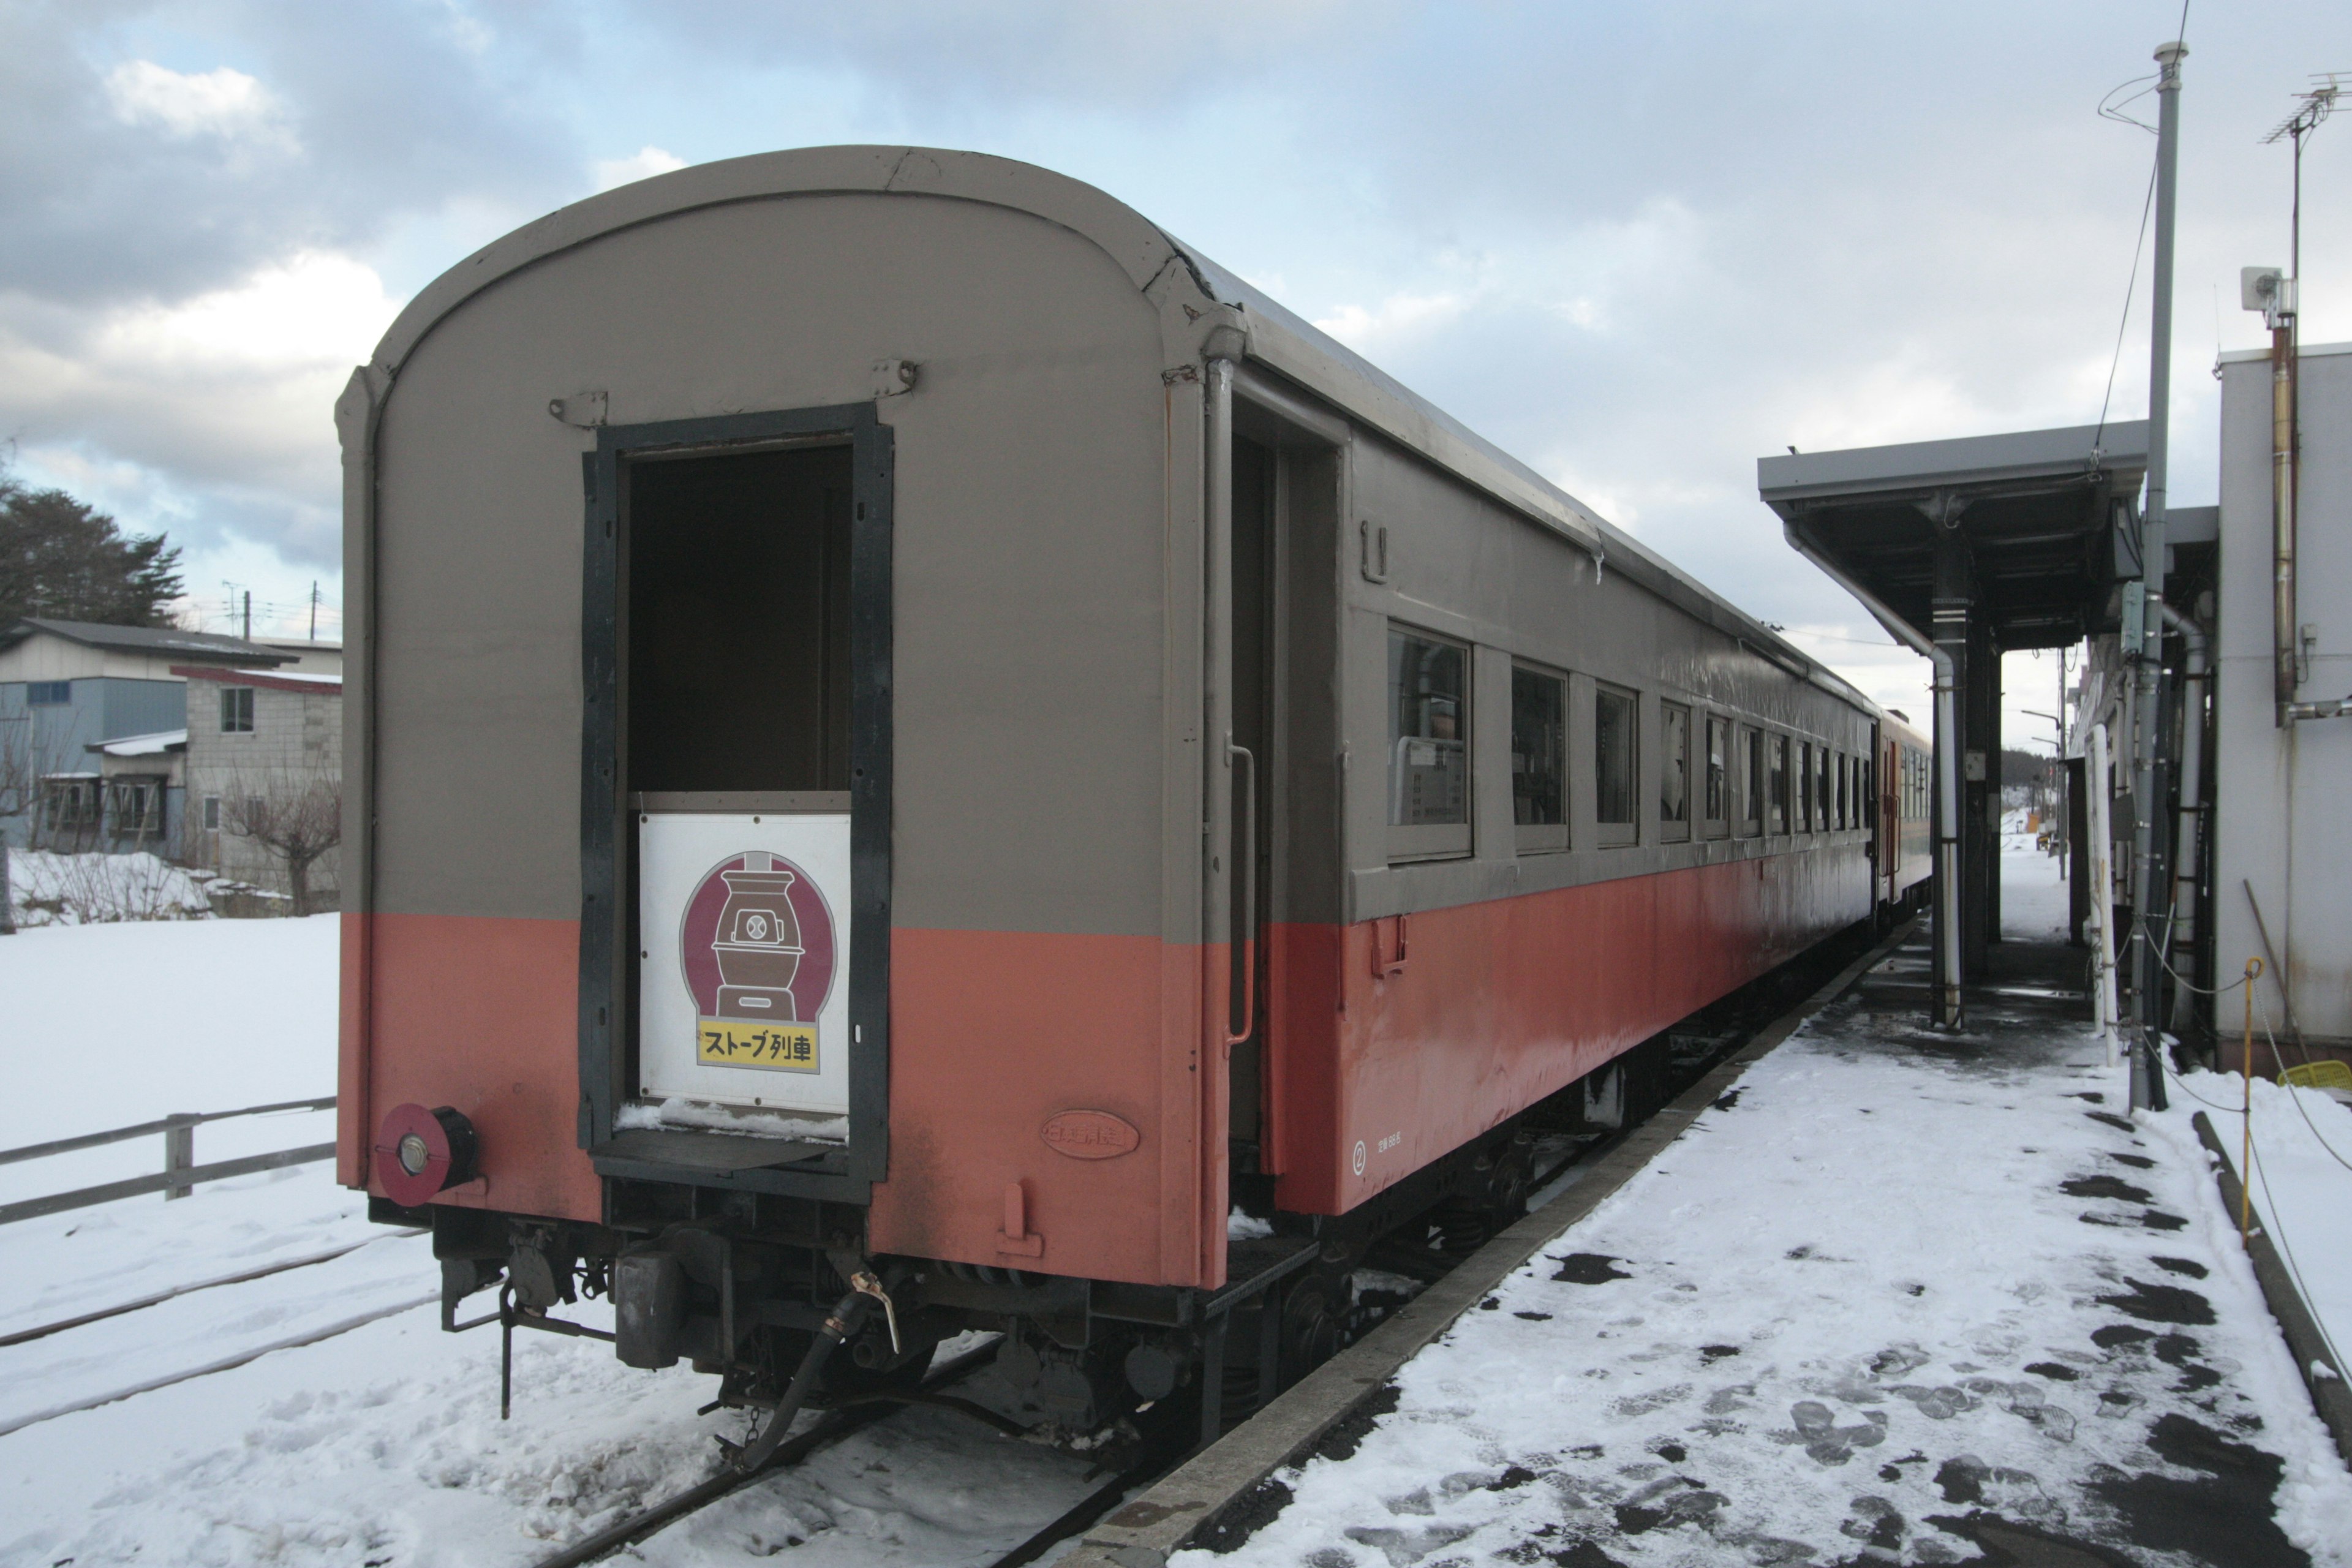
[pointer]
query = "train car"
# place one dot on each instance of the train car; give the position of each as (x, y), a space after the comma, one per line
(1906, 862)
(923, 757)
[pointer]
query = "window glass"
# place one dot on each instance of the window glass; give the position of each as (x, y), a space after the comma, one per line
(1751, 800)
(1719, 762)
(236, 710)
(1804, 786)
(49, 693)
(211, 812)
(1673, 764)
(1844, 781)
(1613, 760)
(1822, 789)
(1429, 764)
(1539, 749)
(1779, 786)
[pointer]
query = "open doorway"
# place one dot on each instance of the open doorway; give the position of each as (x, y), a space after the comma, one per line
(738, 589)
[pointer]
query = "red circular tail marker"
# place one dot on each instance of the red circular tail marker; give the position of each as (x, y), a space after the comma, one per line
(420, 1152)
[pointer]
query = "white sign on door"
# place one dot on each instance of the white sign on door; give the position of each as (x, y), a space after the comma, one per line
(743, 923)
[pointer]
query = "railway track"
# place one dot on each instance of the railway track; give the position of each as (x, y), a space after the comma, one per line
(242, 1356)
(41, 1331)
(1684, 1057)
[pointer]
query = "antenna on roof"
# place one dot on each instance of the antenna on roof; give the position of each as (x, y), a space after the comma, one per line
(2311, 109)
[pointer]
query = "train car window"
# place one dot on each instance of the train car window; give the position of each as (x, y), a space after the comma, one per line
(1777, 803)
(1751, 792)
(1717, 801)
(1616, 770)
(1822, 790)
(738, 656)
(1538, 759)
(1428, 754)
(1837, 814)
(1674, 771)
(1804, 817)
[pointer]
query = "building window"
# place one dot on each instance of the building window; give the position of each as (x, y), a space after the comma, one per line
(1538, 759)
(1429, 756)
(1778, 793)
(1616, 764)
(236, 710)
(1718, 774)
(1751, 794)
(49, 693)
(212, 814)
(1674, 770)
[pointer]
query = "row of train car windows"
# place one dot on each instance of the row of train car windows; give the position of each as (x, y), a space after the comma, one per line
(1760, 780)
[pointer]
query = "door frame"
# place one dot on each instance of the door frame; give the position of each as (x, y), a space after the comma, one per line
(608, 892)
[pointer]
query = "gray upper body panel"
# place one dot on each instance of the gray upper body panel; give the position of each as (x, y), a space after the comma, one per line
(1037, 507)
(1027, 779)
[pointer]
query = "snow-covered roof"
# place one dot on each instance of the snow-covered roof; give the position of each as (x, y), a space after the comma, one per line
(209, 647)
(310, 683)
(152, 745)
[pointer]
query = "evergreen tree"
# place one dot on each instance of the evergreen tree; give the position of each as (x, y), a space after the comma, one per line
(60, 559)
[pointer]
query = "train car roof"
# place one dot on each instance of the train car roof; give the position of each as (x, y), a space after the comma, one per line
(1277, 339)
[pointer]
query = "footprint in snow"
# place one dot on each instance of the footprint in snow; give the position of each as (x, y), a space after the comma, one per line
(1828, 1443)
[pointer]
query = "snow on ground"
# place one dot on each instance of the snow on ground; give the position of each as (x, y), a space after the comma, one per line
(1898, 1298)
(50, 889)
(1888, 1284)
(2034, 897)
(2302, 1184)
(107, 1025)
(379, 1445)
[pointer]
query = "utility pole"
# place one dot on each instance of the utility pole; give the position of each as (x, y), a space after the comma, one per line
(314, 609)
(2143, 619)
(248, 614)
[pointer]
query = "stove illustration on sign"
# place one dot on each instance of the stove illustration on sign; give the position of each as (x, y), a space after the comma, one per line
(759, 974)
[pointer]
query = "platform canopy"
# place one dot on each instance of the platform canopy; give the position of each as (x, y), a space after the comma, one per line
(2028, 522)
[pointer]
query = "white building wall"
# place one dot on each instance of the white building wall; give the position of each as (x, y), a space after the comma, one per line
(296, 737)
(2283, 796)
(44, 657)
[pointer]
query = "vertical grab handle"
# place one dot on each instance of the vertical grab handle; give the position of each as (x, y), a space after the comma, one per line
(1245, 850)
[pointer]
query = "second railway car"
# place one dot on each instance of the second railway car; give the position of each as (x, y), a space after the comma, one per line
(923, 757)
(1907, 854)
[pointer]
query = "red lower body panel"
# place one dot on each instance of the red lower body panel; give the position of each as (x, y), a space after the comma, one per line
(1053, 1104)
(483, 1015)
(995, 1034)
(1499, 1004)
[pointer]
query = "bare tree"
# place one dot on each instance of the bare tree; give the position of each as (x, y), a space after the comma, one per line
(296, 816)
(23, 762)
(16, 798)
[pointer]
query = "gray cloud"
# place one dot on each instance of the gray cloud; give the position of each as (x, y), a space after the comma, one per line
(1640, 245)
(384, 112)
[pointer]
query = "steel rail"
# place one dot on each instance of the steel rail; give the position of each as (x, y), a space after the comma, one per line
(24, 1336)
(227, 1364)
(833, 1425)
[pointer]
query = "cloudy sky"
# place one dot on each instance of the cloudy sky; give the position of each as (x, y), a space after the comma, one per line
(1640, 245)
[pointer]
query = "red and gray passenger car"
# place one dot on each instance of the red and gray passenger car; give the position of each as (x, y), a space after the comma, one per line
(903, 720)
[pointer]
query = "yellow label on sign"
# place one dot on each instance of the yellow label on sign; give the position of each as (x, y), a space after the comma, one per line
(735, 1043)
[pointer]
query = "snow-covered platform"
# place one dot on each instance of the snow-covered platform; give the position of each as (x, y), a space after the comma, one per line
(1899, 1296)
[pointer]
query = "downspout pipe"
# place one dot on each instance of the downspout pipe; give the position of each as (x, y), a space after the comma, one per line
(2187, 837)
(1948, 766)
(2284, 672)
